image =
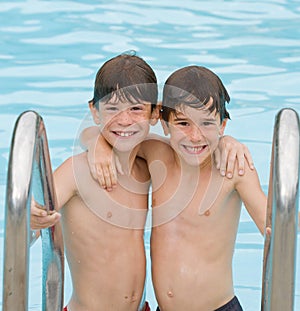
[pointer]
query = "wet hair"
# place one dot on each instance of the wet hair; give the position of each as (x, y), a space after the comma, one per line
(129, 78)
(194, 86)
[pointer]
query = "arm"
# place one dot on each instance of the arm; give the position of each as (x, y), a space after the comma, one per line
(103, 163)
(255, 200)
(104, 168)
(65, 188)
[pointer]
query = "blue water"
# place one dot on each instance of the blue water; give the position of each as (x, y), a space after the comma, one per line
(51, 50)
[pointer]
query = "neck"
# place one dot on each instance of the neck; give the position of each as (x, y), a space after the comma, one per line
(206, 163)
(195, 169)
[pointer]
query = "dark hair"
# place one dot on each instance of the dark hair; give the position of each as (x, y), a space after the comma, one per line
(127, 76)
(194, 86)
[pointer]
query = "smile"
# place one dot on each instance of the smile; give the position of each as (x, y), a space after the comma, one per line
(124, 134)
(193, 149)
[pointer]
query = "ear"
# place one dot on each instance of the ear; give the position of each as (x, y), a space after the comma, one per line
(165, 127)
(94, 112)
(222, 127)
(155, 115)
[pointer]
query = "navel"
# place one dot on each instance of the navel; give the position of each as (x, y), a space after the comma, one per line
(170, 294)
(109, 214)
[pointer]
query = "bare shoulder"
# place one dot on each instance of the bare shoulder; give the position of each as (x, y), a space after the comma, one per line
(65, 180)
(67, 165)
(65, 174)
(250, 176)
(248, 184)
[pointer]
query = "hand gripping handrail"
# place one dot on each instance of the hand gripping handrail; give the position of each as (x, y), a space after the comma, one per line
(278, 288)
(29, 155)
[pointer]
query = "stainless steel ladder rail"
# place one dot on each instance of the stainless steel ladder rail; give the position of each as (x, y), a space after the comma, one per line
(29, 153)
(278, 288)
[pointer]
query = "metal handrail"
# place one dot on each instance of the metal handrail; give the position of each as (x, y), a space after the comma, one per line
(29, 156)
(278, 288)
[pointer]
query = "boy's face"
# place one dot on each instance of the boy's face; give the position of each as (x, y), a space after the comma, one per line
(123, 124)
(195, 133)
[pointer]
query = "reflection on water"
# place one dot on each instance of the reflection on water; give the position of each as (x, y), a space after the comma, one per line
(51, 50)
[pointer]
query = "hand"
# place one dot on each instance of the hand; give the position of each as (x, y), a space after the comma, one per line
(40, 219)
(228, 153)
(104, 164)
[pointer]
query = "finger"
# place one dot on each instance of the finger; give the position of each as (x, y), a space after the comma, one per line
(223, 163)
(249, 158)
(107, 178)
(217, 158)
(230, 164)
(113, 175)
(241, 162)
(37, 210)
(100, 176)
(92, 166)
(37, 222)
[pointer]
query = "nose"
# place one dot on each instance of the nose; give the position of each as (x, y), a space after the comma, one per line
(196, 135)
(124, 118)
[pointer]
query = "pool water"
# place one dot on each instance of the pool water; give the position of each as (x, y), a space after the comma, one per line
(51, 50)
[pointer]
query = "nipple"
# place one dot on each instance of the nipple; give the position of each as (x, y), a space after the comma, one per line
(170, 294)
(207, 213)
(109, 214)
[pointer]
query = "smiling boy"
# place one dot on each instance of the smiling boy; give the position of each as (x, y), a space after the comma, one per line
(192, 246)
(103, 232)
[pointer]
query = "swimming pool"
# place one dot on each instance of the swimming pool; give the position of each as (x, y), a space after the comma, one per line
(51, 50)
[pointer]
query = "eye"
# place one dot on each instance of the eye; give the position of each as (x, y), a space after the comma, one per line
(111, 109)
(183, 123)
(137, 108)
(208, 123)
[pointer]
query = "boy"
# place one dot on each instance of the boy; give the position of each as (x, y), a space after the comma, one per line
(103, 232)
(195, 210)
(200, 240)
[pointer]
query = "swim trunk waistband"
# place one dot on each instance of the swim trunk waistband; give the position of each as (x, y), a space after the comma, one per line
(232, 305)
(146, 307)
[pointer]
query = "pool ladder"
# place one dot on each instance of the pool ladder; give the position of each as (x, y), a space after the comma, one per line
(30, 173)
(279, 266)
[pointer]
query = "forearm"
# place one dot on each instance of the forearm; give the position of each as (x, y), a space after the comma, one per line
(89, 136)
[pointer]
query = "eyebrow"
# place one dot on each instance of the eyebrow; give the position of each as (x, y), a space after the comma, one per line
(184, 118)
(117, 103)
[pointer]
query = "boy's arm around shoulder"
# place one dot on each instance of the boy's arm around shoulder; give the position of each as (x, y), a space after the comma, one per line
(156, 148)
(253, 197)
(65, 188)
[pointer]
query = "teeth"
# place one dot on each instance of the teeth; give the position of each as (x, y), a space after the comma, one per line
(193, 149)
(124, 134)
